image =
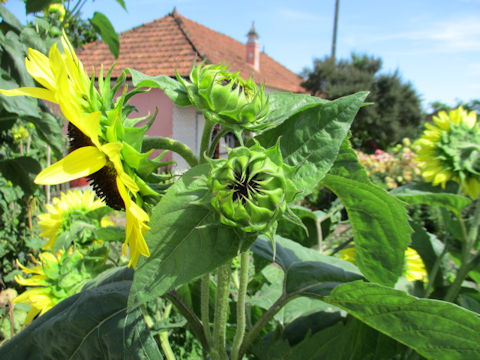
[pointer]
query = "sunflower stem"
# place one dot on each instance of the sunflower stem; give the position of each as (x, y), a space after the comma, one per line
(215, 142)
(466, 259)
(206, 136)
(204, 306)
(163, 336)
(221, 310)
(159, 142)
(258, 326)
(242, 294)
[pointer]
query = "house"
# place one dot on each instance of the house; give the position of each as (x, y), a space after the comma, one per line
(173, 43)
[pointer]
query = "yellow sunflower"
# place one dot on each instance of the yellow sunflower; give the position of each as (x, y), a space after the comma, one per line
(414, 268)
(98, 140)
(54, 278)
(449, 149)
(58, 215)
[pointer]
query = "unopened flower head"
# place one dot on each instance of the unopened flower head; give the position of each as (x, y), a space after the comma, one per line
(226, 97)
(105, 146)
(250, 189)
(450, 150)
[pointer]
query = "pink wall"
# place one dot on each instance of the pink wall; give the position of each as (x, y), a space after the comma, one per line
(146, 103)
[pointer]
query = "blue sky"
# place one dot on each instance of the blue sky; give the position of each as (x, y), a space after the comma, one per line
(434, 44)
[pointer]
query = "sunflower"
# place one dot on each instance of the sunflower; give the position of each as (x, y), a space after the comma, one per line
(54, 278)
(414, 268)
(449, 149)
(102, 148)
(60, 213)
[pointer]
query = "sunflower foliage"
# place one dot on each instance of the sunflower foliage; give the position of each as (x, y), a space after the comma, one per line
(215, 258)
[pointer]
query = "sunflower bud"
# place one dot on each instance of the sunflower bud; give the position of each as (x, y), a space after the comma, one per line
(226, 97)
(250, 189)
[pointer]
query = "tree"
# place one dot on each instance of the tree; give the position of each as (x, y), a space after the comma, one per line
(395, 110)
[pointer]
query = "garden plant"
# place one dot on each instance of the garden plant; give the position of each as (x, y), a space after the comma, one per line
(220, 262)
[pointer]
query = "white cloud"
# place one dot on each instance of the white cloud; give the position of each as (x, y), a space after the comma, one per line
(446, 36)
(296, 15)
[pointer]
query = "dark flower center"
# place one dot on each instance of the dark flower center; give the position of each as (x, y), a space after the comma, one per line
(242, 187)
(104, 180)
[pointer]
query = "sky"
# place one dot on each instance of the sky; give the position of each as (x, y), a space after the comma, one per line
(434, 44)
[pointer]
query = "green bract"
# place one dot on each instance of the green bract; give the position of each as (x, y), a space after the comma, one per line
(226, 98)
(250, 190)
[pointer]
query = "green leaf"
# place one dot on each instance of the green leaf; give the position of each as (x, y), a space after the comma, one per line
(426, 194)
(310, 220)
(185, 240)
(122, 4)
(380, 227)
(312, 137)
(429, 248)
(323, 336)
(435, 329)
(93, 324)
(33, 6)
(104, 27)
(111, 233)
(21, 171)
(282, 106)
(171, 87)
(307, 272)
(288, 252)
(347, 165)
(10, 19)
(50, 131)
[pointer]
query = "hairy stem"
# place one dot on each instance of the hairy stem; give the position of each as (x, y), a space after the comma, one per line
(207, 133)
(163, 336)
(204, 306)
(191, 317)
(164, 143)
(215, 142)
(266, 317)
(242, 294)
(466, 260)
(221, 309)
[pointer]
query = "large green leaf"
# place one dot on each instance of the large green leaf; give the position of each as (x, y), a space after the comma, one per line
(93, 324)
(311, 138)
(283, 105)
(307, 272)
(185, 240)
(347, 164)
(50, 131)
(327, 336)
(380, 227)
(288, 252)
(426, 194)
(10, 19)
(21, 171)
(435, 329)
(171, 87)
(104, 27)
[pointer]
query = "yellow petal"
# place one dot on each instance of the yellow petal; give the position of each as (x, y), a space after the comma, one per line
(38, 93)
(79, 163)
(38, 66)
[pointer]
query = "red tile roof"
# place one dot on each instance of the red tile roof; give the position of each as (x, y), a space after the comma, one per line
(173, 42)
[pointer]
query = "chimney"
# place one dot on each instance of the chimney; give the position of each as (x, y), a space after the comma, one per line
(253, 48)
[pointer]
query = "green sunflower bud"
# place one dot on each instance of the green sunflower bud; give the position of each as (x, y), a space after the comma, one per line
(226, 97)
(250, 189)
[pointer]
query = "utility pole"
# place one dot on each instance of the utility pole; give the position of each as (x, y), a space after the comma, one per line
(335, 24)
